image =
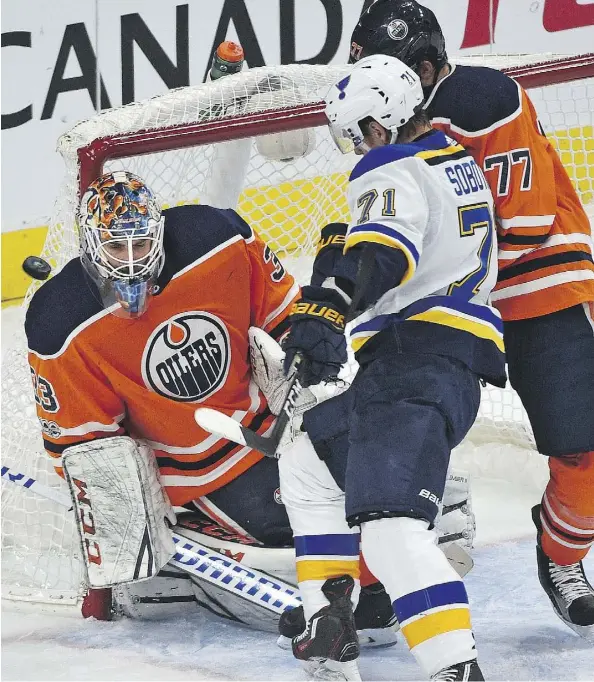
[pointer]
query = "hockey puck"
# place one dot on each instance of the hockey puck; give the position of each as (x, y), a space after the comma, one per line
(37, 267)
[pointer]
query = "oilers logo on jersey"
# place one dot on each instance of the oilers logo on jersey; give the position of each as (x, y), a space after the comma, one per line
(188, 357)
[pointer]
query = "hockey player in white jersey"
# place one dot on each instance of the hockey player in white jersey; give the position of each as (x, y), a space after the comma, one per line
(417, 269)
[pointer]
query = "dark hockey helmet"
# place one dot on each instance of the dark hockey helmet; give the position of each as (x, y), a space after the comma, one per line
(402, 29)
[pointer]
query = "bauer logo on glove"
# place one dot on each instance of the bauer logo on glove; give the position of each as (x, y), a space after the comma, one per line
(317, 332)
(336, 240)
(317, 310)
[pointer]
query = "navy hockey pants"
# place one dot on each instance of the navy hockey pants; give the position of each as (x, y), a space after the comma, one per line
(551, 366)
(387, 440)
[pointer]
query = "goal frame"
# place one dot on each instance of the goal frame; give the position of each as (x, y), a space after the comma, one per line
(91, 157)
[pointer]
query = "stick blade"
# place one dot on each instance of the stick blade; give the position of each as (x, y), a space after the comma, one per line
(220, 424)
(224, 426)
(459, 559)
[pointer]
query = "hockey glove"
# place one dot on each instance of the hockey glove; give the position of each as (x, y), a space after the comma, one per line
(266, 358)
(317, 331)
(329, 252)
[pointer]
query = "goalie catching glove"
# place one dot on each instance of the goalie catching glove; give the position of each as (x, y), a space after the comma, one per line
(317, 322)
(266, 358)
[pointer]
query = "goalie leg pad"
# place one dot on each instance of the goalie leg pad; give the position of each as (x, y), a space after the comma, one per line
(174, 594)
(170, 594)
(120, 509)
(255, 596)
(456, 521)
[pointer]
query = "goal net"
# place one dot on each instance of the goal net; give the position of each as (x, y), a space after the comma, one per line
(215, 143)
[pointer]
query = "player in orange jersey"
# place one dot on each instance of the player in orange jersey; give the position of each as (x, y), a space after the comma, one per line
(545, 289)
(152, 320)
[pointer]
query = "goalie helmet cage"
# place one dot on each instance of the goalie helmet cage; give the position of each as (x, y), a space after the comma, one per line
(215, 143)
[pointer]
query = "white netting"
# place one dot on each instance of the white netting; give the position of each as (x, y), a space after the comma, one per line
(285, 201)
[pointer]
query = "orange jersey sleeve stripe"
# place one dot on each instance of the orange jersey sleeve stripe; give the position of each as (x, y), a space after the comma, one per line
(536, 260)
(529, 272)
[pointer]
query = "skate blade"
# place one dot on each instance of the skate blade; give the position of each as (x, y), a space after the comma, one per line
(584, 631)
(372, 638)
(332, 670)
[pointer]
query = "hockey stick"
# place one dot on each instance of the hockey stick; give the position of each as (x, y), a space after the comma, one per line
(202, 563)
(225, 426)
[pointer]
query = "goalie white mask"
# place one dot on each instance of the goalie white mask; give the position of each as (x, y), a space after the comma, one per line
(379, 86)
(121, 238)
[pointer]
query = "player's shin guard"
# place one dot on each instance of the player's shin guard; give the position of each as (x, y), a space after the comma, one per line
(429, 598)
(567, 509)
(325, 546)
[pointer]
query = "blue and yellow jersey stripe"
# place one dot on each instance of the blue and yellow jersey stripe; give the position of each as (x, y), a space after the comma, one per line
(436, 156)
(479, 320)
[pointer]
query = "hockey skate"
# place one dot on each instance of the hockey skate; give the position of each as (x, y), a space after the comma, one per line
(328, 648)
(469, 670)
(375, 620)
(567, 587)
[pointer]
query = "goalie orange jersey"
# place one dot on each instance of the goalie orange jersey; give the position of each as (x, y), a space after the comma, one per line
(97, 375)
(545, 240)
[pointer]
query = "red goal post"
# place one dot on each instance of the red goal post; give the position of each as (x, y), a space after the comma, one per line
(204, 143)
(93, 155)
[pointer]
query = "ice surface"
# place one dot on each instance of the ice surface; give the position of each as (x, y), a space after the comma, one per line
(518, 638)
